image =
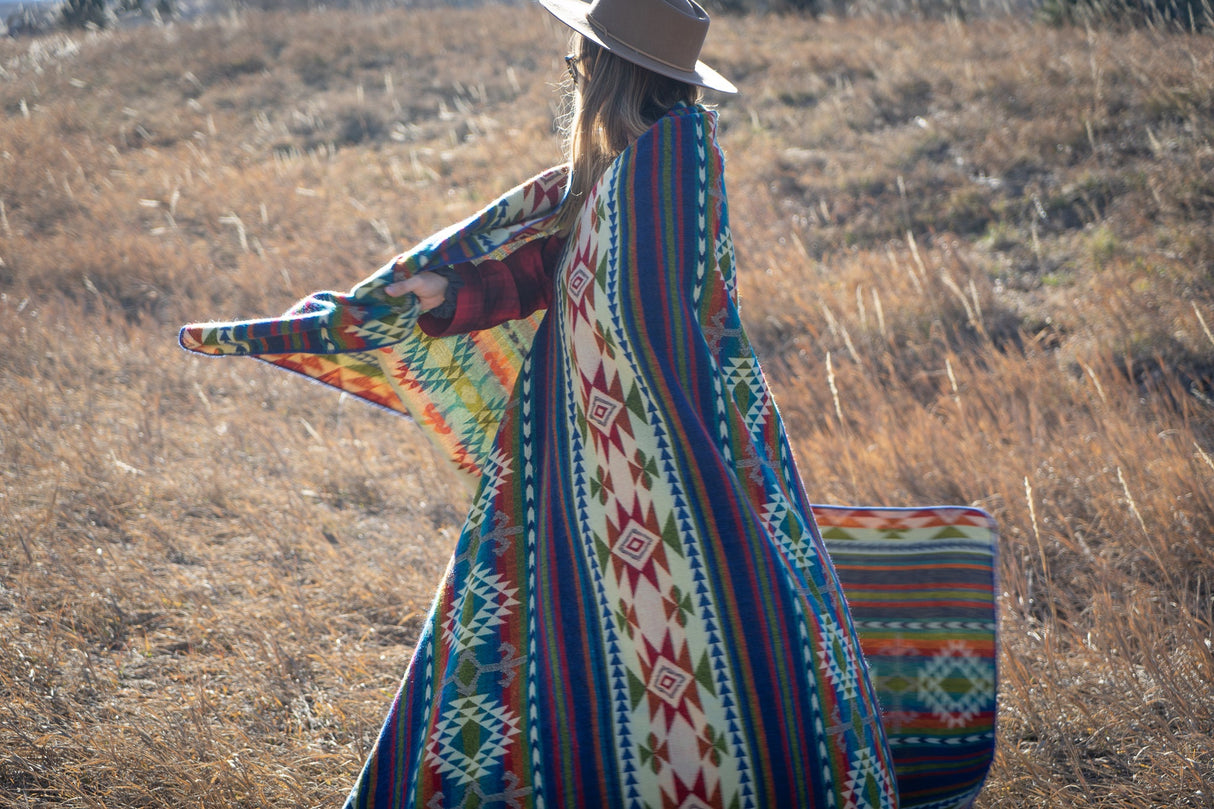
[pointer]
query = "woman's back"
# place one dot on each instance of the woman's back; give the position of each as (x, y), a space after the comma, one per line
(639, 611)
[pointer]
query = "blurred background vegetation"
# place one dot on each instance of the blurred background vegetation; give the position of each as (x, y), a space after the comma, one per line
(1185, 15)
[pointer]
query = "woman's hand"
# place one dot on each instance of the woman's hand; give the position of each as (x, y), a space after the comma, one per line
(429, 287)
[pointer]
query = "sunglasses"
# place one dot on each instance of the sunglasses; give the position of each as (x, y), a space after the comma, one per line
(571, 64)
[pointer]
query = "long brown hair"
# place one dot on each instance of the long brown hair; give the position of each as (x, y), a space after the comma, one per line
(613, 103)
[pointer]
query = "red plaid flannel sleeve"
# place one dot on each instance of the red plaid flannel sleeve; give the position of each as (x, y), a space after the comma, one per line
(492, 292)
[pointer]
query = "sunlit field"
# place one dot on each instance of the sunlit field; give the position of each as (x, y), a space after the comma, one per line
(976, 258)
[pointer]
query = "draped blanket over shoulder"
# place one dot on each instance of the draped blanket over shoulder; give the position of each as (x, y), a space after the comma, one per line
(640, 610)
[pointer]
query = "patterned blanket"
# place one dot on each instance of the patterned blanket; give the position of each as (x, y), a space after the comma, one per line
(367, 343)
(921, 587)
(640, 610)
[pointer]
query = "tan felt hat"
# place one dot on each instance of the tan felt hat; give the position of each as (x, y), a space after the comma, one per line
(664, 36)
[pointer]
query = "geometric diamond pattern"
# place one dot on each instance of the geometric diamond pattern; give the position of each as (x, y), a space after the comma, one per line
(471, 738)
(842, 673)
(955, 683)
(635, 545)
(658, 690)
(639, 550)
(742, 375)
(669, 681)
(579, 280)
(485, 604)
(602, 410)
(921, 585)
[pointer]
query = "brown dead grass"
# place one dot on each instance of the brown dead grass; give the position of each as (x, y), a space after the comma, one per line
(976, 258)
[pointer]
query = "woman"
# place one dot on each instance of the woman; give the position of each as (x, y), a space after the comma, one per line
(670, 651)
(639, 611)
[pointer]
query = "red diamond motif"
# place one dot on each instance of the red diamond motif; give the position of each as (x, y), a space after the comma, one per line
(635, 545)
(579, 280)
(669, 681)
(602, 410)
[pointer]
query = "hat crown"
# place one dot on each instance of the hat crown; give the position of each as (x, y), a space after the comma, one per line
(669, 31)
(664, 36)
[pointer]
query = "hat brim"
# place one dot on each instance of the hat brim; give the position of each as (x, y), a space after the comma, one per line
(574, 13)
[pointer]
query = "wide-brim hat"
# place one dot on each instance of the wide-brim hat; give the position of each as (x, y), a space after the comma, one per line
(664, 36)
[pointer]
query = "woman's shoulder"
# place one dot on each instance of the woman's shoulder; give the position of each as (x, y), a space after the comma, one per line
(682, 110)
(684, 132)
(690, 120)
(684, 135)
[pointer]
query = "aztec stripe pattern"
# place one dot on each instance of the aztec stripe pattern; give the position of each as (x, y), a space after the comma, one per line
(367, 343)
(662, 627)
(921, 587)
(639, 612)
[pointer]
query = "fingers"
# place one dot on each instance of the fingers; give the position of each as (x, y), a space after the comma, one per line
(430, 289)
(398, 288)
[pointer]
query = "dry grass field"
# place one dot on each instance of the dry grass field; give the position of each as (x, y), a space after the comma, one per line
(977, 260)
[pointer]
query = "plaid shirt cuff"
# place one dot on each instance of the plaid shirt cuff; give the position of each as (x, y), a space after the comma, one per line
(492, 292)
